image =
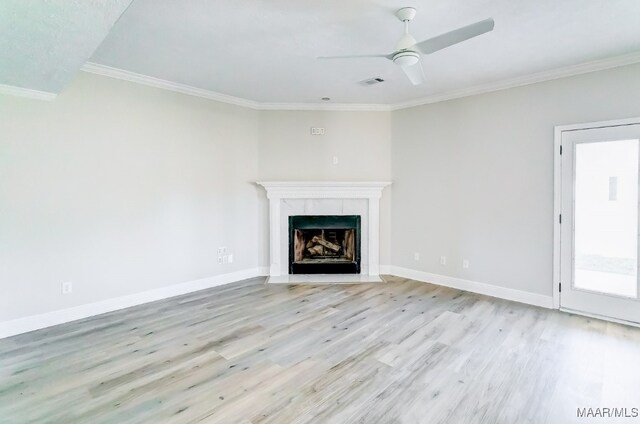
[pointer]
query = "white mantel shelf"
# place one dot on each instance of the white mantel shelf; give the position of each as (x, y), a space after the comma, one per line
(288, 198)
(324, 189)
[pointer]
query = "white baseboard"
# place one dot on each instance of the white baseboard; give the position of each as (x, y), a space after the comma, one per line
(475, 287)
(36, 322)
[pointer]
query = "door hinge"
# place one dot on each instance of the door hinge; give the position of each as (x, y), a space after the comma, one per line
(560, 287)
(561, 149)
(560, 218)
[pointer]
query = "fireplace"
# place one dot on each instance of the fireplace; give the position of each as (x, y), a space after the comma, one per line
(321, 198)
(324, 244)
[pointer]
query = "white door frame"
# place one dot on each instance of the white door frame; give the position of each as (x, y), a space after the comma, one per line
(557, 190)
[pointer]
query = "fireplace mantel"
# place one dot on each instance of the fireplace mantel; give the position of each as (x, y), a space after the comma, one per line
(288, 198)
(324, 190)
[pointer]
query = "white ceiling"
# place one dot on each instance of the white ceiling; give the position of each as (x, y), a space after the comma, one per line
(43, 44)
(265, 50)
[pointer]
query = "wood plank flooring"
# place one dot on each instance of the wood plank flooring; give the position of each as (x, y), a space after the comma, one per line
(401, 352)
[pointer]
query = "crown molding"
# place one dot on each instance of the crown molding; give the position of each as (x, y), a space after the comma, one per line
(26, 92)
(568, 71)
(346, 107)
(121, 74)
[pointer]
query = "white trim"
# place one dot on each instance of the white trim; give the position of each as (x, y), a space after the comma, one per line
(475, 287)
(26, 92)
(323, 189)
(374, 233)
(557, 209)
(48, 319)
(598, 124)
(385, 269)
(557, 190)
(121, 74)
(600, 317)
(567, 71)
(348, 107)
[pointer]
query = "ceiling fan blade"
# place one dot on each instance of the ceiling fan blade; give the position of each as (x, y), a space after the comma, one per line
(414, 73)
(358, 56)
(454, 37)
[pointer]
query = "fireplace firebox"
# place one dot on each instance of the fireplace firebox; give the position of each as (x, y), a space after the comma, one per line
(324, 244)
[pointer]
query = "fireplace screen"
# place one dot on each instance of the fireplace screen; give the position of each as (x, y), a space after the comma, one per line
(324, 244)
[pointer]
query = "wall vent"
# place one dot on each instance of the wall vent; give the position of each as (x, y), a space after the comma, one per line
(371, 81)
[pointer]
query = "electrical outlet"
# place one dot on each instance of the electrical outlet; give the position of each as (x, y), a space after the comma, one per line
(220, 250)
(465, 263)
(219, 260)
(67, 287)
(416, 256)
(335, 160)
(317, 131)
(230, 259)
(224, 250)
(225, 259)
(443, 260)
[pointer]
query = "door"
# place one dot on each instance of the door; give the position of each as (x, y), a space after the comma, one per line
(599, 221)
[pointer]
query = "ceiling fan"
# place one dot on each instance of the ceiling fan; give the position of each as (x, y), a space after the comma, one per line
(407, 54)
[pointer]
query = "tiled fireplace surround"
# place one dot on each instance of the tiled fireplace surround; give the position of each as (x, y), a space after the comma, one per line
(324, 198)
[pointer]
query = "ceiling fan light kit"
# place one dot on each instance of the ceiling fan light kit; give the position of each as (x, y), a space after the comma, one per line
(406, 58)
(407, 54)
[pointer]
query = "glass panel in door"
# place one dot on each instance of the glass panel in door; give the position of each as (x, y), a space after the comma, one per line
(606, 217)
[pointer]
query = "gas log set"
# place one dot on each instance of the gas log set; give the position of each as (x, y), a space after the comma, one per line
(318, 246)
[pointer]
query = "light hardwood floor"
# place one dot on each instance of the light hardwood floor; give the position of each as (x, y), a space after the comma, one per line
(402, 352)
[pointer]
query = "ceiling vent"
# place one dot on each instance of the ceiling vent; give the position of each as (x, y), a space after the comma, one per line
(371, 81)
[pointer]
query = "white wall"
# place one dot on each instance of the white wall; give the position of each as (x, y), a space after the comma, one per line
(360, 140)
(473, 177)
(121, 188)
